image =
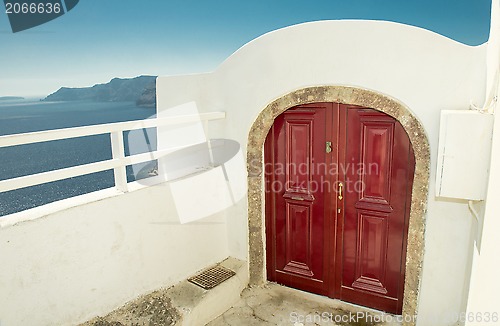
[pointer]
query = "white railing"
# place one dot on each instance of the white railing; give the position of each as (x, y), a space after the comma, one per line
(118, 162)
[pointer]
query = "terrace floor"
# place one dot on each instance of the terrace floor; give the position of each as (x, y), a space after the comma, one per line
(187, 304)
(273, 304)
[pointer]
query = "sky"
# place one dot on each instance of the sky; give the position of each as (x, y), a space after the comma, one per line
(102, 39)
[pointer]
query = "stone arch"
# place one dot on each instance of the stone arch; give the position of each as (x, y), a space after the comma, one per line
(354, 96)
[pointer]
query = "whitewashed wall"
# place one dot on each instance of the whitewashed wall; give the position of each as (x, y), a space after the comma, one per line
(425, 71)
(483, 301)
(69, 266)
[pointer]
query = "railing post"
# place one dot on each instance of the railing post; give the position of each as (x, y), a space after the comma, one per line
(118, 151)
(207, 137)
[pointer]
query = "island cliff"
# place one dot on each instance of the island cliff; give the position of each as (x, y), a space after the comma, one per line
(141, 89)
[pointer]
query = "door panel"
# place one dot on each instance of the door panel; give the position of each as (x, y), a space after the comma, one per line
(299, 126)
(375, 210)
(371, 250)
(296, 231)
(298, 243)
(349, 245)
(376, 154)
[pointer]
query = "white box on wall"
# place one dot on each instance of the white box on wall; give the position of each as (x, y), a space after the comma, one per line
(464, 154)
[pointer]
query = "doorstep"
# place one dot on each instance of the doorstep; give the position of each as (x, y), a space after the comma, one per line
(184, 304)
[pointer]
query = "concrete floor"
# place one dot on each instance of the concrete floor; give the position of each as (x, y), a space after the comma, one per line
(187, 304)
(273, 304)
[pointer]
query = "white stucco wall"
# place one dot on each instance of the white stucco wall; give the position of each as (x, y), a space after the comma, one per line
(425, 71)
(483, 301)
(69, 266)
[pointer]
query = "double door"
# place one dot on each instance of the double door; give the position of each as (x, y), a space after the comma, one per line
(338, 192)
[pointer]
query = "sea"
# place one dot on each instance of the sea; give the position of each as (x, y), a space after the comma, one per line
(21, 116)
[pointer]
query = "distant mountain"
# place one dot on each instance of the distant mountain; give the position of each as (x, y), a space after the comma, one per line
(138, 89)
(11, 98)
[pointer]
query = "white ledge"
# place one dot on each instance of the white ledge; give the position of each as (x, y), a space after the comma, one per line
(67, 203)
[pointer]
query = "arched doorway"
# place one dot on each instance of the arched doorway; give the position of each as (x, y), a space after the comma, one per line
(354, 96)
(338, 184)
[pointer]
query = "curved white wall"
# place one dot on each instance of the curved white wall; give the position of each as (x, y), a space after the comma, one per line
(425, 71)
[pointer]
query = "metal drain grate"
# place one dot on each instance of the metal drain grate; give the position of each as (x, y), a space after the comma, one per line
(212, 277)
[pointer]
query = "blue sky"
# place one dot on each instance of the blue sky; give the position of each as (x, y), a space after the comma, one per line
(102, 39)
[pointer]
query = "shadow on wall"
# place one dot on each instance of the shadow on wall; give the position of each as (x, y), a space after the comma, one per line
(205, 176)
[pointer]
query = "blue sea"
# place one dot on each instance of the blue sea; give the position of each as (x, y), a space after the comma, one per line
(34, 115)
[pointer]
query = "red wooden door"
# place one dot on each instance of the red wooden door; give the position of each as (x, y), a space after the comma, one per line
(337, 214)
(298, 253)
(376, 209)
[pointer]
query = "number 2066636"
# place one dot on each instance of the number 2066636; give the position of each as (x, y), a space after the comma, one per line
(32, 8)
(483, 317)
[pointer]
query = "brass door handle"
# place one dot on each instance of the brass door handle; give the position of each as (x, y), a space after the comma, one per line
(340, 190)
